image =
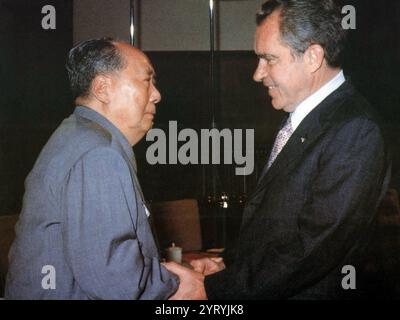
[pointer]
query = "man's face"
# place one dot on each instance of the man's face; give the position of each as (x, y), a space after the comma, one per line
(133, 95)
(284, 75)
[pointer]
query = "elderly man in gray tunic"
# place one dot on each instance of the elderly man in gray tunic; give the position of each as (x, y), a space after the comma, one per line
(83, 232)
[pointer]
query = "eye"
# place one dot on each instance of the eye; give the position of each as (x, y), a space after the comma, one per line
(147, 81)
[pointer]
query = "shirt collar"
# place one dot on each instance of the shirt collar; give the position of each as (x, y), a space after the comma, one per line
(96, 117)
(307, 105)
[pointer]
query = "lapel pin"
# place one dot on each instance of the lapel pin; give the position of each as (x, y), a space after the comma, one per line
(302, 139)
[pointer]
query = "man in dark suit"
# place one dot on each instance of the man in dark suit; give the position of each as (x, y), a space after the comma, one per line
(306, 225)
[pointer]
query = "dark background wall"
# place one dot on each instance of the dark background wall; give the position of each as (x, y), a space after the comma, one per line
(34, 95)
(240, 103)
(373, 63)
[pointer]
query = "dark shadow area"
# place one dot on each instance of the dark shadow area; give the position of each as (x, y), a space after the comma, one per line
(35, 93)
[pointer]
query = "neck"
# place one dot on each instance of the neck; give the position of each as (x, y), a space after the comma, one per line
(322, 77)
(87, 102)
(92, 104)
(104, 110)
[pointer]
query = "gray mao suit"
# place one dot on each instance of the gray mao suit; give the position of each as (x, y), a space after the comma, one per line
(83, 232)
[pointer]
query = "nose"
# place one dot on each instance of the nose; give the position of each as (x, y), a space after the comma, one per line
(155, 96)
(261, 72)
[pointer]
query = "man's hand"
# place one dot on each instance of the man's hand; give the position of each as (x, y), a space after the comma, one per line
(191, 286)
(208, 266)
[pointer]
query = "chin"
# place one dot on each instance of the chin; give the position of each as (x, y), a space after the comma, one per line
(283, 107)
(277, 106)
(148, 127)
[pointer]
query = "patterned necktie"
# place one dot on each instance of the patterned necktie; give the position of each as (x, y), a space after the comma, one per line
(280, 140)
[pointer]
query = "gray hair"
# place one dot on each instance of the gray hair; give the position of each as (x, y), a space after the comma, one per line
(89, 59)
(307, 22)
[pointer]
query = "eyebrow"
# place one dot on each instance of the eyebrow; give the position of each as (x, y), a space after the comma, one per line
(151, 72)
(266, 56)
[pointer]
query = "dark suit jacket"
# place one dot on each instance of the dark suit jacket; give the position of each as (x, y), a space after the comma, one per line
(313, 210)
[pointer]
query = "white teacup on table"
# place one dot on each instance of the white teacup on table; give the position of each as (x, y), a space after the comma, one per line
(173, 253)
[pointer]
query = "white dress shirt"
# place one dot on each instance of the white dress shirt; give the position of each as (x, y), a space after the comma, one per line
(307, 105)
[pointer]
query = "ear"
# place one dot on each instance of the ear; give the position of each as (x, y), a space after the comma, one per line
(314, 56)
(101, 86)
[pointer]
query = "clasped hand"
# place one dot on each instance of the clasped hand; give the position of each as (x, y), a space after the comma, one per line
(191, 282)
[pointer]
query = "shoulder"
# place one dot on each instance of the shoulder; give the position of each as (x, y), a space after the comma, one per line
(355, 107)
(352, 122)
(85, 133)
(350, 114)
(77, 135)
(75, 139)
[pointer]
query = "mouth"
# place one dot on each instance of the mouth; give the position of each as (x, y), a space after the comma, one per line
(269, 85)
(151, 114)
(271, 89)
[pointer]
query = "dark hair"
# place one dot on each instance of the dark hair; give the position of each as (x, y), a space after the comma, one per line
(307, 22)
(89, 59)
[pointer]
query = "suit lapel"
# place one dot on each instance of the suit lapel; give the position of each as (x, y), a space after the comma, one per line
(303, 138)
(130, 159)
(141, 216)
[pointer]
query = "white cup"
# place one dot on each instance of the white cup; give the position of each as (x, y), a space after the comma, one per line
(174, 253)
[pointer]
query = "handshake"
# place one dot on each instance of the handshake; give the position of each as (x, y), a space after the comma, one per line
(191, 282)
